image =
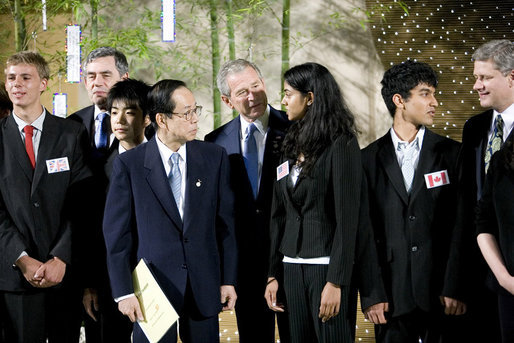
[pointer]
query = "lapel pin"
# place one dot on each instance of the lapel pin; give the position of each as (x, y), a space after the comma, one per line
(198, 183)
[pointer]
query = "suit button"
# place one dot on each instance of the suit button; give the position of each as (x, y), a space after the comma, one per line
(186, 240)
(412, 218)
(258, 211)
(298, 218)
(184, 266)
(414, 249)
(36, 204)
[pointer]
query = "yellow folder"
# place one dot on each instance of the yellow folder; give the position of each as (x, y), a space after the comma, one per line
(157, 310)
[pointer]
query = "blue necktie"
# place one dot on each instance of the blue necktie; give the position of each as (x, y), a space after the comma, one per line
(175, 178)
(495, 142)
(251, 159)
(102, 134)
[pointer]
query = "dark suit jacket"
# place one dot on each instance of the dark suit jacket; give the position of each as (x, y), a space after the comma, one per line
(36, 209)
(252, 215)
(319, 217)
(416, 241)
(495, 213)
(201, 251)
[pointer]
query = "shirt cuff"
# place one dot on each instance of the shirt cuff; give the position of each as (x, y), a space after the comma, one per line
(123, 297)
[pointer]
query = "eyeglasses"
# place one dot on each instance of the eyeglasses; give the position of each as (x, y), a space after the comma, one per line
(188, 115)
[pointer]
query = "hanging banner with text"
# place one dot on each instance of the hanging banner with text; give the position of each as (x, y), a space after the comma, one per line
(73, 53)
(168, 20)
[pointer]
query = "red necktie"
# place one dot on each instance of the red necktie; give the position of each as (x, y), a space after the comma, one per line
(29, 130)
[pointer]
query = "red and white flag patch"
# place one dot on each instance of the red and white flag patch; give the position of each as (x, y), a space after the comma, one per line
(437, 179)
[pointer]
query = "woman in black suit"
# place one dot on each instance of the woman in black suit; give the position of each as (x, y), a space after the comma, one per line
(315, 208)
(495, 226)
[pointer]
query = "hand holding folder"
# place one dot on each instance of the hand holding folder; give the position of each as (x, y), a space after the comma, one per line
(159, 314)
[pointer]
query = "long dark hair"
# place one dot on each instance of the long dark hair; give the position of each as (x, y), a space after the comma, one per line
(325, 120)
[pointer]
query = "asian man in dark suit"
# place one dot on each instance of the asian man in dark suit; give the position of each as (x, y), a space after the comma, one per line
(411, 174)
(494, 83)
(43, 176)
(242, 87)
(170, 202)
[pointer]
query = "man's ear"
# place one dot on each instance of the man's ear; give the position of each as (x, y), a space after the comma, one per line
(146, 120)
(398, 101)
(227, 101)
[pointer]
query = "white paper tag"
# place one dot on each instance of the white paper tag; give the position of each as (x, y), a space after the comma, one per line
(168, 20)
(60, 105)
(283, 170)
(437, 179)
(57, 165)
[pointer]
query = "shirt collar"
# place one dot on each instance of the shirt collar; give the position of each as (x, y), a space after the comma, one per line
(508, 118)
(419, 138)
(38, 123)
(166, 152)
(121, 149)
(260, 123)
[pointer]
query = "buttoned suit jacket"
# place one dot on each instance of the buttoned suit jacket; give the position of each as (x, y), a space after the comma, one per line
(495, 212)
(37, 208)
(252, 215)
(200, 251)
(319, 216)
(417, 244)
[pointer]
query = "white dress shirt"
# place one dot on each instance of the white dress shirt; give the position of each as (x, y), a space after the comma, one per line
(399, 152)
(508, 122)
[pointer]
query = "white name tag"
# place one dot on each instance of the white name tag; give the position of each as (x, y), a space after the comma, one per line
(437, 179)
(283, 170)
(57, 165)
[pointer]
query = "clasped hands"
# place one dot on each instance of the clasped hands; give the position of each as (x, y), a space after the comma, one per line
(42, 275)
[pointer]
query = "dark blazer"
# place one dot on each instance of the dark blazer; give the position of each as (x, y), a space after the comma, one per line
(200, 251)
(252, 215)
(37, 208)
(495, 213)
(319, 216)
(416, 241)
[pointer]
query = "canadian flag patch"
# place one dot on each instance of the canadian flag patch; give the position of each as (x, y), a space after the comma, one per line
(437, 179)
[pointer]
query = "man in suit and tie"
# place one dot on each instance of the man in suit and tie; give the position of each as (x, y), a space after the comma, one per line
(253, 141)
(127, 105)
(43, 183)
(411, 176)
(482, 136)
(170, 202)
(103, 68)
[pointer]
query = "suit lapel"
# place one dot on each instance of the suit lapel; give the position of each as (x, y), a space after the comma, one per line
(230, 137)
(426, 160)
(194, 180)
(47, 143)
(158, 181)
(17, 148)
(387, 157)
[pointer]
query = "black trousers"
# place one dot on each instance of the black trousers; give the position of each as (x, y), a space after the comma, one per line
(111, 324)
(303, 284)
(193, 327)
(255, 321)
(40, 314)
(506, 314)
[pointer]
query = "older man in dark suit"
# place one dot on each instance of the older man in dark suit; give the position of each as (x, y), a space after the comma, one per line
(482, 136)
(412, 194)
(170, 201)
(242, 87)
(42, 178)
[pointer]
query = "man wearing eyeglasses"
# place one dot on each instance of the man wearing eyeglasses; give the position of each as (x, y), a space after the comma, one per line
(176, 191)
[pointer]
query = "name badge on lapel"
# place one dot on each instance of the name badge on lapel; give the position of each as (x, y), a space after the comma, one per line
(282, 170)
(57, 165)
(437, 179)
